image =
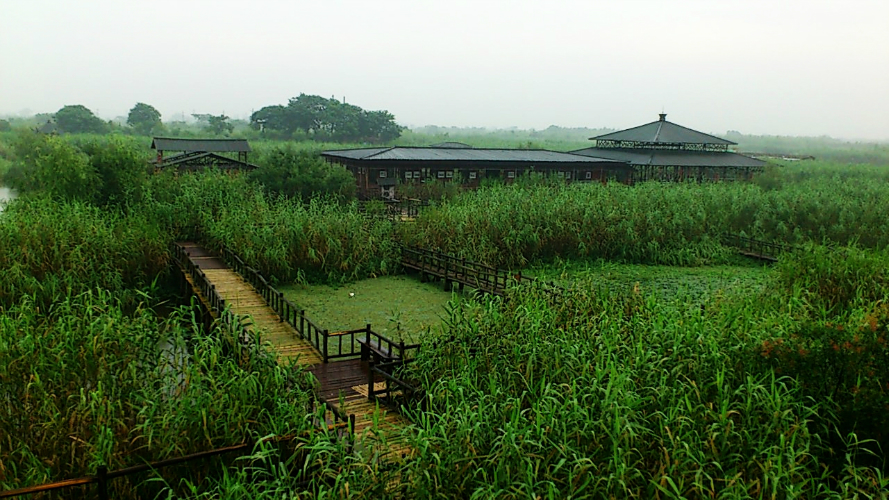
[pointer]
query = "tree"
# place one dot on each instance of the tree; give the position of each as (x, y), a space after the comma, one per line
(144, 118)
(273, 118)
(5, 126)
(327, 119)
(219, 125)
(77, 119)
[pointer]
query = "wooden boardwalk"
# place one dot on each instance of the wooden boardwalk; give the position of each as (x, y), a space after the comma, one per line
(343, 383)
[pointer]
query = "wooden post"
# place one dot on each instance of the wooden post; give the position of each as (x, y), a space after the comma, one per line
(447, 280)
(370, 379)
(324, 334)
(281, 306)
(102, 480)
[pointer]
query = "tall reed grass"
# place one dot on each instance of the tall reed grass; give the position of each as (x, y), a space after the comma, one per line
(84, 384)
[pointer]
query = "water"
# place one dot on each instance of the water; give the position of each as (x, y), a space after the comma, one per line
(6, 194)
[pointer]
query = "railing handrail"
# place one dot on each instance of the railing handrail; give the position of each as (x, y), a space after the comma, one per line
(105, 475)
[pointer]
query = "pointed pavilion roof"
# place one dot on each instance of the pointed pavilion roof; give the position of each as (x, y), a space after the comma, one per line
(663, 132)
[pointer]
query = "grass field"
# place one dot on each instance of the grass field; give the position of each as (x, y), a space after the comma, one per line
(399, 307)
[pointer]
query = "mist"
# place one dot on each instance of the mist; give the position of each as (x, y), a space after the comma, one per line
(808, 68)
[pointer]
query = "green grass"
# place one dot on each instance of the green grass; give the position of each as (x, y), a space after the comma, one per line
(665, 282)
(400, 307)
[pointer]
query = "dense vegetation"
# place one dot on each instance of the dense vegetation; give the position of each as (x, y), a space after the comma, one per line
(773, 392)
(655, 223)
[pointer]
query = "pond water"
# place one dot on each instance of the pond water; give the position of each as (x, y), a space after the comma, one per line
(5, 195)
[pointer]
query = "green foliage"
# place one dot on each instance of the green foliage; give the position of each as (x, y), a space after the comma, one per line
(145, 119)
(657, 223)
(78, 119)
(835, 280)
(845, 369)
(5, 126)
(121, 166)
(298, 173)
(619, 396)
(85, 385)
(51, 164)
(219, 125)
(50, 250)
(326, 120)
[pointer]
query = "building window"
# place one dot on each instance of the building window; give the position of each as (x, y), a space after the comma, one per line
(589, 175)
(416, 174)
(408, 175)
(449, 174)
(511, 174)
(440, 174)
(382, 174)
(472, 175)
(567, 175)
(561, 174)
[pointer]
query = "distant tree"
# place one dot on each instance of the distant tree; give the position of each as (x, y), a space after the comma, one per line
(144, 118)
(78, 119)
(5, 126)
(274, 119)
(218, 125)
(328, 120)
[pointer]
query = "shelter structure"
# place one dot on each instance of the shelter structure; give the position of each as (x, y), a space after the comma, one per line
(198, 154)
(378, 170)
(665, 151)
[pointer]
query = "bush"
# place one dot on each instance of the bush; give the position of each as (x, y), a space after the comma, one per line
(846, 371)
(53, 165)
(302, 174)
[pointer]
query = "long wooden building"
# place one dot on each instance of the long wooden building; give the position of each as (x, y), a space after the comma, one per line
(665, 151)
(378, 171)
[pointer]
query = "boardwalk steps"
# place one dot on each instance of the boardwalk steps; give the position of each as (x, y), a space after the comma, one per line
(343, 384)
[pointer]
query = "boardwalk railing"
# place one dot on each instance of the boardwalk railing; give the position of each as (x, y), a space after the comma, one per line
(395, 391)
(452, 269)
(759, 249)
(104, 476)
(232, 320)
(331, 345)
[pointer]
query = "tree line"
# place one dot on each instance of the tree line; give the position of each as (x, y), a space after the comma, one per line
(308, 117)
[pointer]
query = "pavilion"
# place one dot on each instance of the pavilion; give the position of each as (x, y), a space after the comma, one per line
(198, 154)
(665, 151)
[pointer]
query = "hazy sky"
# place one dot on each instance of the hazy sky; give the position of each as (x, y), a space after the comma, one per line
(809, 67)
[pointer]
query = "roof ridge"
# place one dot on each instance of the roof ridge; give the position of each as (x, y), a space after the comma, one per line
(381, 151)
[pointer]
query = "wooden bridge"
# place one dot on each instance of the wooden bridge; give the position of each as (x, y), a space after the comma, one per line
(352, 388)
(453, 270)
(756, 249)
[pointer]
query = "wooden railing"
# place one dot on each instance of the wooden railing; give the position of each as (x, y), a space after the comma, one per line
(331, 345)
(396, 390)
(759, 249)
(232, 320)
(103, 476)
(452, 269)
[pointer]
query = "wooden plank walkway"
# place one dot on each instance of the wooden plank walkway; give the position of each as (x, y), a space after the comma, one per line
(342, 383)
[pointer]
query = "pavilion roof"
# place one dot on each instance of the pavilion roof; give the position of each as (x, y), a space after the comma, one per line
(663, 132)
(201, 145)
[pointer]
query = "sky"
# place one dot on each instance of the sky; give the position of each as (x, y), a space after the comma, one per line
(776, 67)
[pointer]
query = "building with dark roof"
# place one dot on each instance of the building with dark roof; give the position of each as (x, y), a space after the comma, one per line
(198, 154)
(378, 170)
(665, 151)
